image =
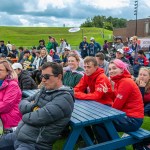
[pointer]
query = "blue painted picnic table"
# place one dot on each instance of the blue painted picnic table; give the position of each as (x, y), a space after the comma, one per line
(87, 113)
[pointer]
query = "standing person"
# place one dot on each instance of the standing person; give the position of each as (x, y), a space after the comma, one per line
(93, 47)
(127, 98)
(10, 97)
(135, 47)
(25, 80)
(21, 53)
(45, 114)
(143, 81)
(119, 44)
(74, 73)
(62, 45)
(3, 48)
(41, 44)
(49, 45)
(105, 47)
(84, 47)
(54, 44)
(94, 85)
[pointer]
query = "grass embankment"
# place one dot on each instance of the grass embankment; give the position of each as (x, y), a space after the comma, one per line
(29, 36)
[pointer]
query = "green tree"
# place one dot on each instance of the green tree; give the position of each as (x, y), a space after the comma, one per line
(87, 23)
(103, 22)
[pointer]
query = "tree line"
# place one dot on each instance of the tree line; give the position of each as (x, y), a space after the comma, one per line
(105, 22)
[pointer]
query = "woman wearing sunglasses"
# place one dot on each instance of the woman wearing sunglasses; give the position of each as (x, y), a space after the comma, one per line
(10, 96)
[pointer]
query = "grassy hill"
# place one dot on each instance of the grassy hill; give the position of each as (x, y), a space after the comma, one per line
(29, 36)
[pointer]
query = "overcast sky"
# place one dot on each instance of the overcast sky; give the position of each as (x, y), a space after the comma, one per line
(69, 12)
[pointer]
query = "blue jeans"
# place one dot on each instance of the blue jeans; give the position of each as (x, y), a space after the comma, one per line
(9, 142)
(147, 109)
(122, 124)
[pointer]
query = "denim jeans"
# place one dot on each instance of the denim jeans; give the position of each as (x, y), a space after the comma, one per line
(122, 124)
(9, 142)
(147, 109)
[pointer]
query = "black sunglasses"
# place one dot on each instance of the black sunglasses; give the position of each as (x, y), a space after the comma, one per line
(46, 76)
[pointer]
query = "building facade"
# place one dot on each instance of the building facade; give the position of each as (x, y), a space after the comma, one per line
(143, 29)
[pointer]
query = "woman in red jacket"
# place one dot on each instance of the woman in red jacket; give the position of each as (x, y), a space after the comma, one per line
(143, 81)
(127, 98)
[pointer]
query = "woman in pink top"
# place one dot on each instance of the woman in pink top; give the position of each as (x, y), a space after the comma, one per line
(10, 96)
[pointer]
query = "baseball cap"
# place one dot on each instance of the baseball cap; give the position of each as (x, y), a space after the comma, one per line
(17, 66)
(120, 50)
(118, 37)
(51, 51)
(92, 38)
(68, 48)
(131, 38)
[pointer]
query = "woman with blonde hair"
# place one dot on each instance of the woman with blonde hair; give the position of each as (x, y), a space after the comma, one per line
(74, 72)
(143, 81)
(10, 97)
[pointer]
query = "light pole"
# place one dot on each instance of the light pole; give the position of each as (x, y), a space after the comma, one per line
(103, 29)
(135, 13)
(82, 32)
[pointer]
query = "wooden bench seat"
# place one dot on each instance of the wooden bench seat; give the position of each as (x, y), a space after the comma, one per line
(140, 134)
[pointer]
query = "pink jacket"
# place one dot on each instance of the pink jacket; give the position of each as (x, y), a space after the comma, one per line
(10, 97)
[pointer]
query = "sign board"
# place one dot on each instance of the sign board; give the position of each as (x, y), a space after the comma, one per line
(74, 29)
(145, 43)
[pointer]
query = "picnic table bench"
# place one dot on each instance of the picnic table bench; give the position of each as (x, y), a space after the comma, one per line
(87, 113)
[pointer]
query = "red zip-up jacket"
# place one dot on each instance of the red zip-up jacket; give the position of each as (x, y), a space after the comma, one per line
(128, 97)
(97, 87)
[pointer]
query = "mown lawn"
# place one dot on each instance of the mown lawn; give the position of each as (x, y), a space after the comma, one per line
(29, 36)
(59, 144)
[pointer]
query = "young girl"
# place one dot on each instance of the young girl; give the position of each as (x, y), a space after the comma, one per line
(127, 98)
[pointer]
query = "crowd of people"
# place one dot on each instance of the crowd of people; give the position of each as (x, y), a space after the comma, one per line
(63, 75)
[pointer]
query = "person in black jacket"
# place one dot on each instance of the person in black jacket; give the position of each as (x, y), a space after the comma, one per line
(25, 80)
(44, 115)
(3, 48)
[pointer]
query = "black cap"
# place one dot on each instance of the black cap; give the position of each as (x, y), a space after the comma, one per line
(27, 51)
(118, 37)
(33, 47)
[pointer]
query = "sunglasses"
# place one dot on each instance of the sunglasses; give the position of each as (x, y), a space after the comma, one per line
(46, 76)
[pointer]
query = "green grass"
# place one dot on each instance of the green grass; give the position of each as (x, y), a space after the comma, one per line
(59, 144)
(29, 36)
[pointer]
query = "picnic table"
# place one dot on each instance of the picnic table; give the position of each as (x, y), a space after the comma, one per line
(88, 113)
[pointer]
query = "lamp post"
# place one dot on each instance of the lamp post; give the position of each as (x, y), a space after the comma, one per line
(103, 29)
(82, 32)
(135, 13)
